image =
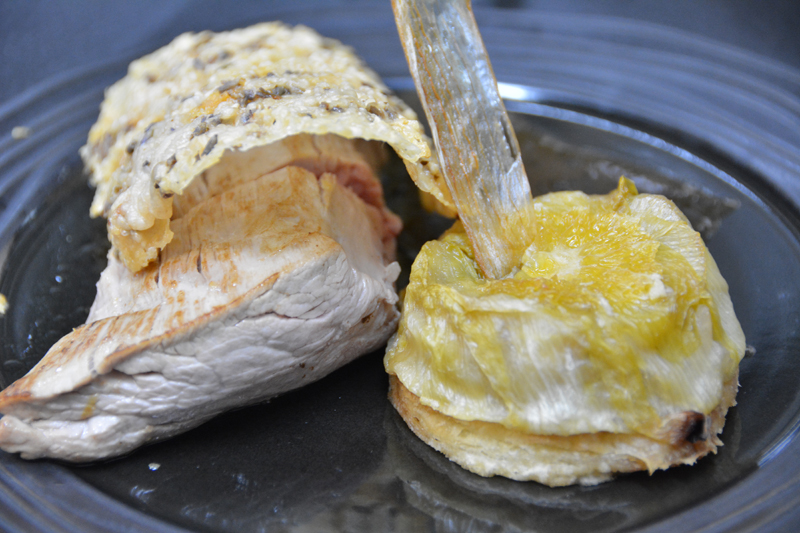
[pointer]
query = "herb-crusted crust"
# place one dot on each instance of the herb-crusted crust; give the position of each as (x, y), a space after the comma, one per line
(182, 107)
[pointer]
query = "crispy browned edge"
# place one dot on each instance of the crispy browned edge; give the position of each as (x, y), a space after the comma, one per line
(686, 438)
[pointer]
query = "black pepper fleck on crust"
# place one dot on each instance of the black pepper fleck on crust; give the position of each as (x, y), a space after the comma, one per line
(375, 110)
(200, 129)
(278, 91)
(210, 145)
(228, 85)
(248, 95)
(334, 109)
(148, 133)
(206, 122)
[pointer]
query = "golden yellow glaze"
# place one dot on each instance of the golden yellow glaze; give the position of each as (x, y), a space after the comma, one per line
(616, 319)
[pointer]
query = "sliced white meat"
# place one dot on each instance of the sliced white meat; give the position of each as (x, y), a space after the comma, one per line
(267, 285)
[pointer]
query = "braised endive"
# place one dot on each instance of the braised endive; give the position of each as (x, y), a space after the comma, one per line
(554, 323)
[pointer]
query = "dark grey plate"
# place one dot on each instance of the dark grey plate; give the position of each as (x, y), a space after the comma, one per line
(593, 98)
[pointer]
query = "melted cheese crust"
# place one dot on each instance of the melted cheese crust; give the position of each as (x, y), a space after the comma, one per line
(182, 107)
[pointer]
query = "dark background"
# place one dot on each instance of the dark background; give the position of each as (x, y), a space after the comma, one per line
(42, 42)
(39, 39)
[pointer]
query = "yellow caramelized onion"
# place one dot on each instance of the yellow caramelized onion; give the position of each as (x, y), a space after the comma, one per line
(615, 320)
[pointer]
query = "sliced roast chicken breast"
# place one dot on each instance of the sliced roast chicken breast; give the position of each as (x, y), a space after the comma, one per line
(264, 288)
(246, 269)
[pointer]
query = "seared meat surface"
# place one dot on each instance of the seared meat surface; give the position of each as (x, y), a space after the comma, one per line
(252, 251)
(264, 288)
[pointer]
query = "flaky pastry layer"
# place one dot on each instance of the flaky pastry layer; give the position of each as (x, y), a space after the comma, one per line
(490, 449)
